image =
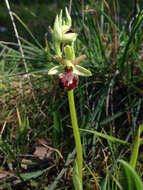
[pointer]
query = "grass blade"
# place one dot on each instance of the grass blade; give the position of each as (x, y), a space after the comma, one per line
(129, 179)
(105, 136)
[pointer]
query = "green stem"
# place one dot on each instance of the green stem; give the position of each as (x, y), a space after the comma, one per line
(76, 132)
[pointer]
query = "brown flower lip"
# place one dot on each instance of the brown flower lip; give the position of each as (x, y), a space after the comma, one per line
(68, 80)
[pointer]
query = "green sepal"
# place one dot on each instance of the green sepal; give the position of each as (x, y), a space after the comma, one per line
(81, 71)
(56, 70)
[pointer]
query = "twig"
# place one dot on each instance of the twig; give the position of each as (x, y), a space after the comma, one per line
(3, 127)
(70, 5)
(135, 8)
(114, 50)
(82, 10)
(16, 34)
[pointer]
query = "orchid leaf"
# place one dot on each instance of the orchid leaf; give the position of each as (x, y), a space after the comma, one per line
(81, 71)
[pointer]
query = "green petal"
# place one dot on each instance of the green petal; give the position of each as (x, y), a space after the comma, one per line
(81, 71)
(55, 70)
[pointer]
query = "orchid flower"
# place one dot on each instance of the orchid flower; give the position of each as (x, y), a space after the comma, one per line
(68, 70)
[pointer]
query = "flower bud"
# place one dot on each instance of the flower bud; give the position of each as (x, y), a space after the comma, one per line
(62, 32)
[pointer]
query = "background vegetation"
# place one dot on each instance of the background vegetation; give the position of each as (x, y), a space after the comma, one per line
(36, 134)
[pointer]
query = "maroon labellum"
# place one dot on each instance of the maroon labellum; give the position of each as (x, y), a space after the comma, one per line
(68, 80)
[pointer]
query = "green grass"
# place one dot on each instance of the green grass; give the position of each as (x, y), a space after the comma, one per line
(109, 107)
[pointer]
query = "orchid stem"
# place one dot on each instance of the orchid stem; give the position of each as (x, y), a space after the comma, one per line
(76, 133)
